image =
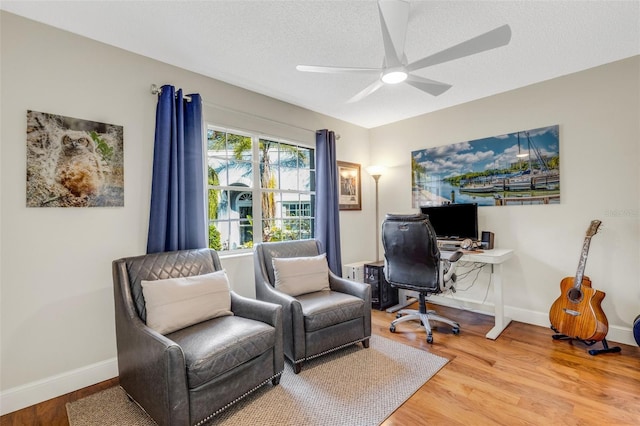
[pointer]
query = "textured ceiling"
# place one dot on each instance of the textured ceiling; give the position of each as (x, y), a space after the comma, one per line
(257, 44)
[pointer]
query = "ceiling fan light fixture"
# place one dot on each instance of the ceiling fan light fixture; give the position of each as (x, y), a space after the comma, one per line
(394, 76)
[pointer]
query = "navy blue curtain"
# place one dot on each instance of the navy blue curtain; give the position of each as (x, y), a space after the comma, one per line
(177, 219)
(327, 202)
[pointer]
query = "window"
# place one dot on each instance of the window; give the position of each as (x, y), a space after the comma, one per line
(259, 189)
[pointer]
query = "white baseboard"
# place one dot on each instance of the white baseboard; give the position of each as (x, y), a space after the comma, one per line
(616, 333)
(42, 390)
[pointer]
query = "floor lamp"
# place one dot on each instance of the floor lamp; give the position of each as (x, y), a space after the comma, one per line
(376, 172)
(404, 299)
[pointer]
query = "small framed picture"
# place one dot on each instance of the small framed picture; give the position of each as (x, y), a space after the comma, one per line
(350, 188)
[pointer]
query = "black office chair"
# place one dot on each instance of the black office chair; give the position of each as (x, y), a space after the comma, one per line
(412, 261)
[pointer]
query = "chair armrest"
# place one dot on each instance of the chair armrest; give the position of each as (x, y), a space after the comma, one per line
(257, 310)
(455, 256)
(292, 317)
(342, 285)
(266, 292)
(359, 290)
(146, 358)
(266, 312)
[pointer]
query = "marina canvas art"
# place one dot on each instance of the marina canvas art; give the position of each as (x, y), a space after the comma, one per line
(73, 162)
(518, 168)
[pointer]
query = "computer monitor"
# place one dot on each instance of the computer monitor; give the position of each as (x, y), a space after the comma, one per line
(453, 221)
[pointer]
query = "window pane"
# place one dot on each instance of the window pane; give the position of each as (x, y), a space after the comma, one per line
(219, 235)
(305, 206)
(215, 140)
(268, 164)
(269, 229)
(215, 241)
(288, 155)
(306, 229)
(269, 176)
(288, 178)
(222, 212)
(218, 168)
(213, 201)
(240, 173)
(230, 234)
(239, 147)
(304, 160)
(268, 151)
(245, 234)
(291, 229)
(304, 180)
(269, 205)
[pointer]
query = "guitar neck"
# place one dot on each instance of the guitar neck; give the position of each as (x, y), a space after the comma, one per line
(583, 262)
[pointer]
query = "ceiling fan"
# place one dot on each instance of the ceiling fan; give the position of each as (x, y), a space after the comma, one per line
(394, 17)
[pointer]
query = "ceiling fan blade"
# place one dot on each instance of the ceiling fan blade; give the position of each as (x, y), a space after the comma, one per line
(367, 91)
(394, 17)
(338, 70)
(432, 87)
(487, 41)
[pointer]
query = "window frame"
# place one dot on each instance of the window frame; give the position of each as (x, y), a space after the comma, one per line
(256, 189)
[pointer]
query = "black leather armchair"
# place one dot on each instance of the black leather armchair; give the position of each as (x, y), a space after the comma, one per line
(412, 261)
(319, 322)
(188, 376)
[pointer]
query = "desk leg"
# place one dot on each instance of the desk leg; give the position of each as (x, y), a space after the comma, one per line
(501, 322)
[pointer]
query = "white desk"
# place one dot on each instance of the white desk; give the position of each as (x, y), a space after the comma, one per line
(495, 258)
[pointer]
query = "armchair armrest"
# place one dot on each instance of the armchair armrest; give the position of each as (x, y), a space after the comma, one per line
(147, 357)
(258, 310)
(360, 290)
(266, 312)
(291, 313)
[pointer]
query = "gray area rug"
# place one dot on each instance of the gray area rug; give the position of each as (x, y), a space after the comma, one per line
(353, 386)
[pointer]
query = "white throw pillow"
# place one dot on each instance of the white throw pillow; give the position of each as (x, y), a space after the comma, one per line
(300, 275)
(177, 303)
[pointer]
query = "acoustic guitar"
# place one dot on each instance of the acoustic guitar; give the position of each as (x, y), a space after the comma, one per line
(577, 313)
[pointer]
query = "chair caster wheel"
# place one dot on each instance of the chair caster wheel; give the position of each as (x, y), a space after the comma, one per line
(392, 329)
(398, 315)
(429, 338)
(456, 330)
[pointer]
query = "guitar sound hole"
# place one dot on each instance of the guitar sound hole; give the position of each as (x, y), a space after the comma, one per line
(574, 295)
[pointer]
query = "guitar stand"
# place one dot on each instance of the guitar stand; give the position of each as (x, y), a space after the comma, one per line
(605, 346)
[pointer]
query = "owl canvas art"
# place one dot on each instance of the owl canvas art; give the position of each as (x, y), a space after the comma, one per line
(73, 162)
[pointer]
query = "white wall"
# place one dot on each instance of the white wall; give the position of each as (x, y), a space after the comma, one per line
(598, 111)
(57, 324)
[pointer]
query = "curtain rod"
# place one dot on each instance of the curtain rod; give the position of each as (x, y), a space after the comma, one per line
(155, 90)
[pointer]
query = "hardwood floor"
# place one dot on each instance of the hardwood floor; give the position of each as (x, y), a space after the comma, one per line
(522, 378)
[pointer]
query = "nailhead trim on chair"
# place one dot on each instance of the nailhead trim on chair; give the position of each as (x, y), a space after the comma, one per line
(210, 416)
(330, 350)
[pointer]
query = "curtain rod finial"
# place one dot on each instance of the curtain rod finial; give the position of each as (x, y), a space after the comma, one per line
(155, 89)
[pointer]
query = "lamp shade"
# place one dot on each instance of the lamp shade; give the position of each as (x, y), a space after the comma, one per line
(375, 170)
